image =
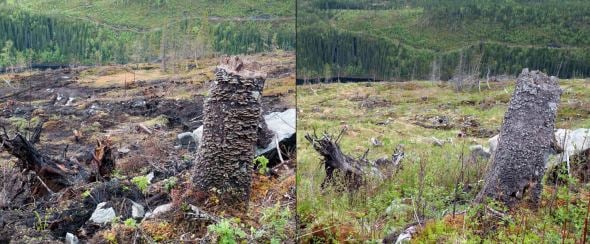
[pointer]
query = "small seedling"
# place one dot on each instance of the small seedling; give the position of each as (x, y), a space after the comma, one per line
(41, 223)
(226, 232)
(170, 183)
(262, 162)
(141, 182)
(130, 222)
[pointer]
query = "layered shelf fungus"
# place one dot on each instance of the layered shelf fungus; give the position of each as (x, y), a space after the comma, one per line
(232, 113)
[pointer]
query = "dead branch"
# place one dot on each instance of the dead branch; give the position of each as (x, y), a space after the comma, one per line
(57, 173)
(144, 128)
(355, 171)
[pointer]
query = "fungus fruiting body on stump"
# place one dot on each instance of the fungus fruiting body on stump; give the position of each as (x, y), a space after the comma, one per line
(518, 164)
(230, 126)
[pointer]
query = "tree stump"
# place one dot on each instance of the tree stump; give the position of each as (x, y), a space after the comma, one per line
(231, 116)
(518, 164)
(58, 172)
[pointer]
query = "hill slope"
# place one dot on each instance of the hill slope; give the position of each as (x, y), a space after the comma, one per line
(114, 31)
(424, 39)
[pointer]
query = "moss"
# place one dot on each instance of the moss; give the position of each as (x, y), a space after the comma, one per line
(161, 120)
(21, 124)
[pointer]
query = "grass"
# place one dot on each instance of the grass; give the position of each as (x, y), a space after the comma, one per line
(332, 216)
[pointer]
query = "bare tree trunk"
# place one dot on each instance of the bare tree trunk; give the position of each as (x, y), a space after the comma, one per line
(526, 137)
(232, 113)
(163, 46)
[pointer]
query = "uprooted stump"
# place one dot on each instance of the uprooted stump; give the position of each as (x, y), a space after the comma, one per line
(518, 163)
(231, 117)
(56, 173)
(354, 171)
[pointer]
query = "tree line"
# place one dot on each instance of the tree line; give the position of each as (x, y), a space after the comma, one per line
(27, 38)
(328, 52)
(337, 53)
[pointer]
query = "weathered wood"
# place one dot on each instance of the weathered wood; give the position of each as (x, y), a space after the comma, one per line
(335, 159)
(15, 189)
(518, 163)
(355, 171)
(231, 117)
(57, 172)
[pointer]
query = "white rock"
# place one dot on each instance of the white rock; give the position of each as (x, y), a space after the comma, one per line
(198, 134)
(70, 101)
(71, 238)
(150, 177)
(162, 209)
(493, 143)
(103, 215)
(137, 210)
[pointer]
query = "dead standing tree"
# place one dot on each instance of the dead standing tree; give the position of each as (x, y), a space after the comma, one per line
(526, 137)
(230, 125)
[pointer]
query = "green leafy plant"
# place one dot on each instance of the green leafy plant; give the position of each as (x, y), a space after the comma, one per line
(262, 162)
(226, 232)
(117, 174)
(170, 183)
(276, 219)
(130, 222)
(141, 182)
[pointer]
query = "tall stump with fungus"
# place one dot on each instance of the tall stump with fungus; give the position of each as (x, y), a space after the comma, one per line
(526, 138)
(231, 117)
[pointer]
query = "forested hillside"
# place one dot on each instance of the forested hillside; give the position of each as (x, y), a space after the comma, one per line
(427, 39)
(115, 31)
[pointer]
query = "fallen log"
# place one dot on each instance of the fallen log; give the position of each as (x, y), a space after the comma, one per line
(355, 171)
(56, 173)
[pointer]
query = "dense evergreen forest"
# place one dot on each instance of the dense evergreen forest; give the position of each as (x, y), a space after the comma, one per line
(428, 39)
(30, 37)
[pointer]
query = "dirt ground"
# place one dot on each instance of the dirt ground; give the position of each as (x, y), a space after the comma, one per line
(79, 106)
